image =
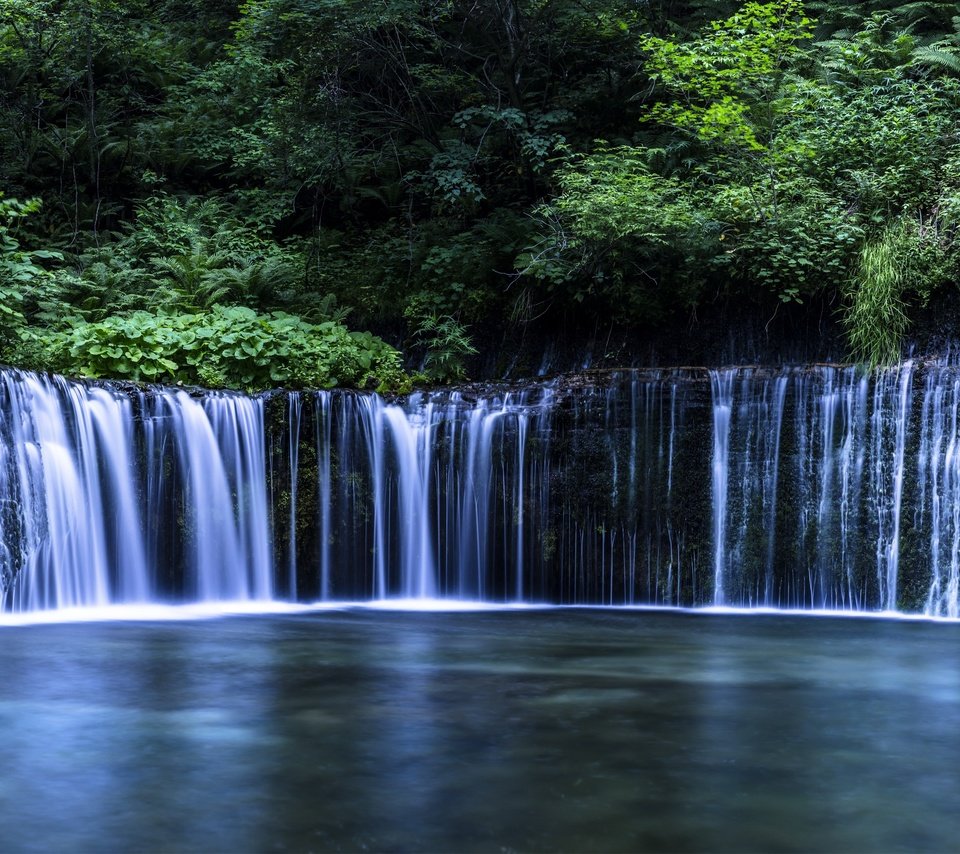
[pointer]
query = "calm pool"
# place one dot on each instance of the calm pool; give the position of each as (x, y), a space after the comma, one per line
(534, 730)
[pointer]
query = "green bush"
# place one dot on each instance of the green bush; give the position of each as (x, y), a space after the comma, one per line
(226, 346)
(793, 244)
(879, 150)
(22, 278)
(875, 318)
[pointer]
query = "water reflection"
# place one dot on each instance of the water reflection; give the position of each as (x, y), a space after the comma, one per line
(553, 730)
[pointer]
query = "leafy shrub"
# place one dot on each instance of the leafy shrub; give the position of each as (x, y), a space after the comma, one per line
(231, 347)
(21, 276)
(622, 235)
(792, 244)
(612, 195)
(880, 150)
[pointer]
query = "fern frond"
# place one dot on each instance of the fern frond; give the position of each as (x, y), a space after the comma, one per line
(938, 57)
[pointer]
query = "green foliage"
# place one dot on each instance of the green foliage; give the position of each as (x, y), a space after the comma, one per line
(879, 149)
(907, 262)
(425, 168)
(448, 345)
(230, 347)
(876, 317)
(615, 230)
(726, 79)
(440, 268)
(793, 244)
(788, 173)
(184, 255)
(21, 275)
(612, 195)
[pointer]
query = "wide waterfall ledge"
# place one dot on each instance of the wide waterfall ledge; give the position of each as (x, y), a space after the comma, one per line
(818, 488)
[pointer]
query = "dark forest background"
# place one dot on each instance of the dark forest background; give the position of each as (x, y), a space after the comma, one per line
(380, 192)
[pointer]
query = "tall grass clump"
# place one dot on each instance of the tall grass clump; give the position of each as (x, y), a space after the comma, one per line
(875, 318)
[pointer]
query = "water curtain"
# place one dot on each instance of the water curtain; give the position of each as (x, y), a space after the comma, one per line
(806, 487)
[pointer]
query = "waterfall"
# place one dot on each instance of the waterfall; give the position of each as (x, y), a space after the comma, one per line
(293, 427)
(421, 499)
(804, 487)
(322, 442)
(888, 432)
(939, 504)
(721, 384)
(829, 520)
(106, 491)
(66, 450)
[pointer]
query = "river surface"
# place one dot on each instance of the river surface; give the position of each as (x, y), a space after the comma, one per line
(523, 730)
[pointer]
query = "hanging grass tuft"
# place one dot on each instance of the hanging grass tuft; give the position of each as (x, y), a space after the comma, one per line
(875, 318)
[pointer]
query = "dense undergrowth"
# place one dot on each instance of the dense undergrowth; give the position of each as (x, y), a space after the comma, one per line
(219, 193)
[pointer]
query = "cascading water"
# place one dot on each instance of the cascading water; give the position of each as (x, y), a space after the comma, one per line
(832, 528)
(938, 506)
(816, 487)
(421, 500)
(722, 389)
(65, 451)
(112, 497)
